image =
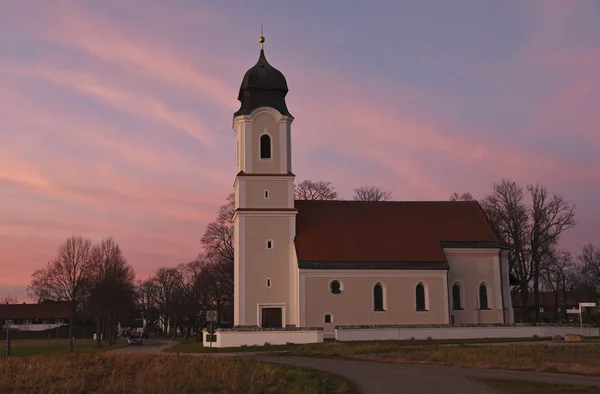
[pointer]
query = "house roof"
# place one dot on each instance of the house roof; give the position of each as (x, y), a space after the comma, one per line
(349, 234)
(46, 310)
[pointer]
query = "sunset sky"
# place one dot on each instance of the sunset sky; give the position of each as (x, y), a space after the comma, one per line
(116, 116)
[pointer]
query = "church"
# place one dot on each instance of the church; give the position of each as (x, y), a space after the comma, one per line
(323, 264)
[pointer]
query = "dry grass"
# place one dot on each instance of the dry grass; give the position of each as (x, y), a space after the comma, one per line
(96, 373)
(575, 359)
(33, 347)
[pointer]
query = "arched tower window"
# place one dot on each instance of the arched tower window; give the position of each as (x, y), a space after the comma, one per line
(420, 295)
(378, 298)
(265, 146)
(483, 297)
(456, 297)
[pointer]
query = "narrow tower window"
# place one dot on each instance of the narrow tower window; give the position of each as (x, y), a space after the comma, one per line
(265, 146)
(328, 318)
(266, 194)
(269, 244)
(269, 282)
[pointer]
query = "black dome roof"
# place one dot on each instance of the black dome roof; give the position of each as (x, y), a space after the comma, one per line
(263, 86)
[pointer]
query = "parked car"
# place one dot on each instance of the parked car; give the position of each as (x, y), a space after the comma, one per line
(135, 339)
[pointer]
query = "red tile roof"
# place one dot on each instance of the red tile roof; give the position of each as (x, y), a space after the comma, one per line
(358, 231)
(46, 310)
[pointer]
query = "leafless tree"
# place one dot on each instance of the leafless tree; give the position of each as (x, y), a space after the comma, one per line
(112, 288)
(550, 216)
(371, 193)
(315, 190)
(590, 262)
(218, 236)
(462, 197)
(65, 277)
(558, 274)
(509, 216)
(9, 300)
(531, 231)
(163, 288)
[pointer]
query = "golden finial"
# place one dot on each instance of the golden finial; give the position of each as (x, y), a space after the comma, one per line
(262, 38)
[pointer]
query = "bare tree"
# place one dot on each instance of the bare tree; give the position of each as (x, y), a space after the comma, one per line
(218, 236)
(508, 214)
(550, 216)
(590, 262)
(112, 287)
(558, 275)
(163, 288)
(371, 193)
(462, 197)
(8, 299)
(65, 277)
(315, 190)
(531, 231)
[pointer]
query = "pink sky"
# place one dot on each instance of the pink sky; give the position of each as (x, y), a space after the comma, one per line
(116, 119)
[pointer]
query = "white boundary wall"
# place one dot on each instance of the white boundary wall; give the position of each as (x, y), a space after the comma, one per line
(383, 334)
(250, 338)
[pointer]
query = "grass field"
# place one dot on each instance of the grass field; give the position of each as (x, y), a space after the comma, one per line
(97, 373)
(193, 346)
(575, 359)
(519, 387)
(33, 347)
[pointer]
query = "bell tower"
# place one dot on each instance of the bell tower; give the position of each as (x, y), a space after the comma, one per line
(265, 267)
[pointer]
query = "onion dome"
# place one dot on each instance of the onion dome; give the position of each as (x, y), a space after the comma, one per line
(263, 86)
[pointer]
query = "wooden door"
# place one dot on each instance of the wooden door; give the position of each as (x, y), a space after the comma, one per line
(271, 318)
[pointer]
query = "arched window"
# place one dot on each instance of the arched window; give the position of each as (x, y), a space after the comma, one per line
(456, 301)
(265, 146)
(420, 293)
(483, 297)
(378, 297)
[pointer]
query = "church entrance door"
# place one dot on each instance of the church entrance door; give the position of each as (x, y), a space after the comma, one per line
(271, 318)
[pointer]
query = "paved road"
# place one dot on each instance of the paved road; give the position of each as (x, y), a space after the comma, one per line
(388, 378)
(150, 346)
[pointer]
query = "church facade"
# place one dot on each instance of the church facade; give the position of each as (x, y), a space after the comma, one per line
(349, 263)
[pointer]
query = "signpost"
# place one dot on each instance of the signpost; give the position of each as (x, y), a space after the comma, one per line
(584, 305)
(211, 316)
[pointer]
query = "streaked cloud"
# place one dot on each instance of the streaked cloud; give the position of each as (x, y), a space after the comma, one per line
(117, 116)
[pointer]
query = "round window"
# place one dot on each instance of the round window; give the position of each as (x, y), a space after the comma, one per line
(335, 287)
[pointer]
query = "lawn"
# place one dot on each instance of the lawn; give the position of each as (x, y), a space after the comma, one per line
(519, 387)
(575, 359)
(193, 346)
(97, 373)
(33, 347)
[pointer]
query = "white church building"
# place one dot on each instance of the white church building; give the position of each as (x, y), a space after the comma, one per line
(303, 268)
